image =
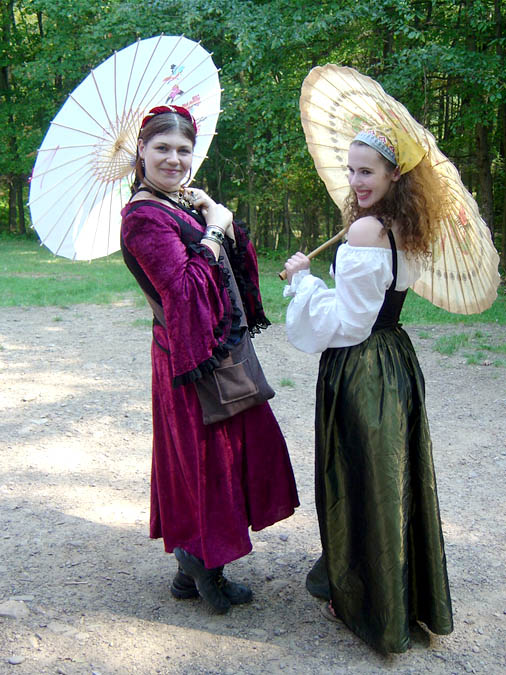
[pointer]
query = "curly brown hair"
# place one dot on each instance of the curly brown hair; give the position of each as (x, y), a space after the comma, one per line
(416, 202)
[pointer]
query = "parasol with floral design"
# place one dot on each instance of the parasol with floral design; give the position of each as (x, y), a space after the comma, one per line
(84, 167)
(336, 103)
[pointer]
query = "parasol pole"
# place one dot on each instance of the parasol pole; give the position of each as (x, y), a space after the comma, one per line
(317, 251)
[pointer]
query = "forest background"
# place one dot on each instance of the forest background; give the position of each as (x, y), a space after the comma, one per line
(444, 59)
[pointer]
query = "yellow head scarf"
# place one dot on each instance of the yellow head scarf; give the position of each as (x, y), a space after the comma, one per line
(394, 144)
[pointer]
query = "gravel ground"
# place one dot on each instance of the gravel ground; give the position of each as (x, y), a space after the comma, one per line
(82, 588)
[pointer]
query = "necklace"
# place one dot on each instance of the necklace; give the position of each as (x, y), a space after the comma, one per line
(175, 196)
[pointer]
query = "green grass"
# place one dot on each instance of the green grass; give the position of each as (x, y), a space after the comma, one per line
(142, 323)
(478, 352)
(449, 344)
(474, 359)
(271, 285)
(417, 310)
(32, 276)
(497, 349)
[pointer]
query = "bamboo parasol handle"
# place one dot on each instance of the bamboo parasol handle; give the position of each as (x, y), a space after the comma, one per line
(317, 251)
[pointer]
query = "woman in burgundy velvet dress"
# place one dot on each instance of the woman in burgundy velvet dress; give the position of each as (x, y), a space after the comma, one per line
(210, 483)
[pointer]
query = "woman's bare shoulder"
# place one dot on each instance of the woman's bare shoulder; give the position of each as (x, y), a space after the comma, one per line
(367, 231)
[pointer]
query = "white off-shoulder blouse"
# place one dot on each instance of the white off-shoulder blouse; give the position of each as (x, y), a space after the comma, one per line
(319, 317)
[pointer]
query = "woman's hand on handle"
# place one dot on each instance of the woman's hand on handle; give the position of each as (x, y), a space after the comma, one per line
(295, 264)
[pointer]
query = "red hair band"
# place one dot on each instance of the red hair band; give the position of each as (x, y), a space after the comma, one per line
(177, 109)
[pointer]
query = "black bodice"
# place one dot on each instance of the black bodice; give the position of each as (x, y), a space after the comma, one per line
(391, 308)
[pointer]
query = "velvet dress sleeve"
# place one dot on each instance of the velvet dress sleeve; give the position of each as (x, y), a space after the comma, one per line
(245, 267)
(192, 286)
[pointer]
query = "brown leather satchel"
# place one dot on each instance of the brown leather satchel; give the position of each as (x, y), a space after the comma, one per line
(237, 384)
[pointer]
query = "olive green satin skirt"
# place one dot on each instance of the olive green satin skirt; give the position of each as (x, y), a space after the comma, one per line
(376, 492)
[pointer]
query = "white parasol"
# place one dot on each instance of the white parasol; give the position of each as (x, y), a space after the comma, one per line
(84, 168)
(336, 103)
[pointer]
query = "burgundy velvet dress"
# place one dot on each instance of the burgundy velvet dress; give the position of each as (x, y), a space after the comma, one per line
(209, 483)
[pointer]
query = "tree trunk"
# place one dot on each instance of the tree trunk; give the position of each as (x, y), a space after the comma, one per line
(286, 218)
(328, 217)
(278, 231)
(503, 237)
(446, 121)
(485, 176)
(41, 25)
(241, 213)
(218, 173)
(19, 182)
(12, 205)
(501, 124)
(252, 206)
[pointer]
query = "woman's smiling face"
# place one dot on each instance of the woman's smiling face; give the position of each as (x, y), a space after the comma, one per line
(167, 159)
(368, 175)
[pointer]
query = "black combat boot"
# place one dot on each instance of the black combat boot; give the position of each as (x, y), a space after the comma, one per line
(183, 586)
(206, 581)
(186, 583)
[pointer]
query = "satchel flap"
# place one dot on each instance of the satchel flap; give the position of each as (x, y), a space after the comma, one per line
(235, 382)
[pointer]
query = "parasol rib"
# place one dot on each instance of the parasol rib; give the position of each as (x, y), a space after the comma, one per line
(86, 169)
(99, 94)
(198, 84)
(69, 206)
(130, 73)
(98, 220)
(62, 239)
(142, 99)
(99, 124)
(57, 167)
(79, 131)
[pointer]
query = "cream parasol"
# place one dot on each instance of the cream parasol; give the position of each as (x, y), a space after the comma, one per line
(82, 175)
(336, 103)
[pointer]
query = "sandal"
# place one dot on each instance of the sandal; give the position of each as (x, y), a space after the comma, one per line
(328, 612)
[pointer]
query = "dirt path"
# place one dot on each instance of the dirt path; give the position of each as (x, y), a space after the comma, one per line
(91, 590)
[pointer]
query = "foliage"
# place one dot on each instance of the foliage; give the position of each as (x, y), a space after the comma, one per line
(445, 60)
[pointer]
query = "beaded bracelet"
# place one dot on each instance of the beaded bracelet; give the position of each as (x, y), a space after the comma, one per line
(211, 237)
(215, 232)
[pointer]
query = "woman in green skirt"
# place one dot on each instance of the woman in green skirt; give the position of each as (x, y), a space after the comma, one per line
(383, 550)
